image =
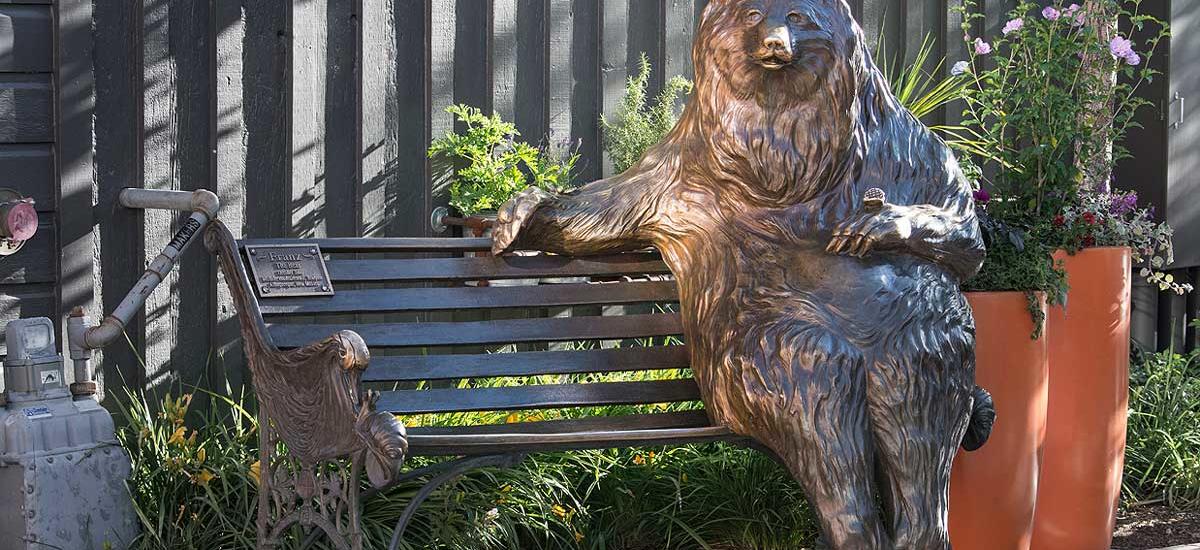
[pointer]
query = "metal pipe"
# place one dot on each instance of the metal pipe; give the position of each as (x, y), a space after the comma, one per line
(203, 205)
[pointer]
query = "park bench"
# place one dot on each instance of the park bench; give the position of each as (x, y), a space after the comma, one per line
(419, 306)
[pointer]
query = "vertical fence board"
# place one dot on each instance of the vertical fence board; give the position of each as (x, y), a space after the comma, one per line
(531, 92)
(73, 156)
(308, 84)
(645, 21)
(118, 263)
(230, 168)
(192, 44)
(160, 171)
(678, 32)
(343, 141)
(407, 190)
(614, 58)
(266, 105)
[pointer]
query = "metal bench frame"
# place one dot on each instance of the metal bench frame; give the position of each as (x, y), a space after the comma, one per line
(332, 437)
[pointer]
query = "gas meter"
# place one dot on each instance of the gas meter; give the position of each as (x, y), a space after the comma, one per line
(62, 475)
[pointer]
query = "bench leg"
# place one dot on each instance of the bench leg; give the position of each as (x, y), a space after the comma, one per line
(451, 470)
(325, 496)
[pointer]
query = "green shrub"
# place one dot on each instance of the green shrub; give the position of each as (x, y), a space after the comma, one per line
(637, 126)
(1162, 454)
(487, 165)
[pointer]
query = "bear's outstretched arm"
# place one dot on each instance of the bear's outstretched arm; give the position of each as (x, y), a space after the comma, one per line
(609, 215)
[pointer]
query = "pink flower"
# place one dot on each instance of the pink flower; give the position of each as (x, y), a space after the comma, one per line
(981, 47)
(1071, 10)
(1051, 13)
(1013, 25)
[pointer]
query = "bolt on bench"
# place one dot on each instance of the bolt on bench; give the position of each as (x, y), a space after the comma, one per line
(312, 396)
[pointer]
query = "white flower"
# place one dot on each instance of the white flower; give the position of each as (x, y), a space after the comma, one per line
(960, 68)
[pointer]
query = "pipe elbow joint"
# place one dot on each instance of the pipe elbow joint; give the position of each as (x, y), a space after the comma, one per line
(207, 202)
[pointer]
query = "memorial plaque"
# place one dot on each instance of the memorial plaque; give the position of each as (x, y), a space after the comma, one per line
(289, 270)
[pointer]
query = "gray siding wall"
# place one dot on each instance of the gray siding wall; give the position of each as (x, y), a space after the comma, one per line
(27, 156)
(311, 118)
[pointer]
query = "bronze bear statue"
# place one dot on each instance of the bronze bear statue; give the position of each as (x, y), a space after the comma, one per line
(834, 334)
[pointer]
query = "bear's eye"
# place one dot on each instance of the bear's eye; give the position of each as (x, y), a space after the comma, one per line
(795, 18)
(753, 17)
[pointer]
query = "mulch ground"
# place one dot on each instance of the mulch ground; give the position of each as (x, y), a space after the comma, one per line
(1147, 527)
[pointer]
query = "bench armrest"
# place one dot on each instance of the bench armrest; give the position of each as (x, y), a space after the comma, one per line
(313, 395)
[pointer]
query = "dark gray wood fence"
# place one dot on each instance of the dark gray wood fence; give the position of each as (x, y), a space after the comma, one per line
(311, 118)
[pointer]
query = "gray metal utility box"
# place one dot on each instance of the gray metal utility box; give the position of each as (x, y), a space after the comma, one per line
(62, 474)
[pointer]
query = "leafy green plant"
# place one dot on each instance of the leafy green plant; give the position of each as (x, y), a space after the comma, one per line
(636, 125)
(1162, 453)
(487, 165)
(922, 91)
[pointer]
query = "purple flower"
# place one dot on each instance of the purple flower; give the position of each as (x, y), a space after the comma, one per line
(1123, 204)
(1133, 58)
(1121, 47)
(981, 47)
(981, 196)
(1051, 13)
(1013, 25)
(960, 68)
(1071, 10)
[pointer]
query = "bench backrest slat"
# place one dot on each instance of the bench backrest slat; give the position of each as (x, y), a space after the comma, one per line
(413, 368)
(394, 300)
(395, 335)
(491, 267)
(440, 400)
(379, 245)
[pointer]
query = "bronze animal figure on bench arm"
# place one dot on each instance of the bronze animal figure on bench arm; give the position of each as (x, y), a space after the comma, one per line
(819, 234)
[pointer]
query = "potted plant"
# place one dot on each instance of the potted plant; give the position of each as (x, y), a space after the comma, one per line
(1044, 117)
(487, 165)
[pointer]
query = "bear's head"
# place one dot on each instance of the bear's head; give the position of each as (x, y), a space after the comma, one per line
(779, 50)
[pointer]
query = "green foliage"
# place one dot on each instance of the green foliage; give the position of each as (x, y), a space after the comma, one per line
(488, 165)
(1162, 454)
(191, 487)
(638, 126)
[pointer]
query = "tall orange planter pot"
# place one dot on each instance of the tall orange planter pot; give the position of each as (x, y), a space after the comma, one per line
(993, 491)
(1089, 398)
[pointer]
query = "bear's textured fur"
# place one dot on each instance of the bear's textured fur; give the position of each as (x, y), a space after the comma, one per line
(836, 336)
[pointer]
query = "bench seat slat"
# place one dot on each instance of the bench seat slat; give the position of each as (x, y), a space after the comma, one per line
(624, 422)
(486, 332)
(547, 396)
(460, 298)
(409, 368)
(387, 244)
(442, 445)
(492, 267)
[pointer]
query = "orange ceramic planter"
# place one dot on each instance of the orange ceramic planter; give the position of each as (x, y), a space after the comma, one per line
(993, 491)
(1089, 398)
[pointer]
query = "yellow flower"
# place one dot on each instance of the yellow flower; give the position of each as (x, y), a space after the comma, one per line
(512, 418)
(201, 455)
(683, 478)
(578, 536)
(256, 471)
(559, 511)
(506, 488)
(177, 437)
(639, 459)
(203, 478)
